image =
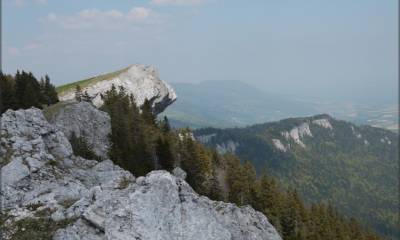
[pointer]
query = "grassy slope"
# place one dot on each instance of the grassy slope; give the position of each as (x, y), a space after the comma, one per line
(86, 82)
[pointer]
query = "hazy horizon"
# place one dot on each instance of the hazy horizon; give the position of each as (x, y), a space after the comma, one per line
(341, 50)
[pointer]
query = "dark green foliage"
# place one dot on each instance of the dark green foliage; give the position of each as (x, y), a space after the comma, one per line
(82, 148)
(353, 167)
(7, 93)
(133, 141)
(147, 112)
(24, 91)
(78, 93)
(48, 91)
(165, 158)
(166, 127)
(285, 209)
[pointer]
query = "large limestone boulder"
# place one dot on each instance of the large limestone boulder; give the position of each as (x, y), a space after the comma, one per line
(141, 81)
(47, 190)
(86, 121)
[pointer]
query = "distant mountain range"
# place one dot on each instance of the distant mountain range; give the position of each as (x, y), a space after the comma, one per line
(325, 159)
(232, 103)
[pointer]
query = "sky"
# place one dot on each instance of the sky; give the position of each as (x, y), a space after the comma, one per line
(333, 50)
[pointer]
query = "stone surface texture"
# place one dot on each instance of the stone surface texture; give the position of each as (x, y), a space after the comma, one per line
(104, 201)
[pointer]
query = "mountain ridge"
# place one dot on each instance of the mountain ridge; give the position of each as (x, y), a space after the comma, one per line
(326, 160)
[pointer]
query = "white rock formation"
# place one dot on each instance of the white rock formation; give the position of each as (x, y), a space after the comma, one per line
(297, 133)
(85, 121)
(279, 145)
(358, 135)
(323, 123)
(102, 201)
(140, 80)
(186, 135)
(229, 146)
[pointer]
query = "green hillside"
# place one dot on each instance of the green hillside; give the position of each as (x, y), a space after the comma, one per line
(88, 81)
(355, 168)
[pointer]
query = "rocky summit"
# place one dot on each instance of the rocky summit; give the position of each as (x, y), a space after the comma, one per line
(47, 191)
(141, 81)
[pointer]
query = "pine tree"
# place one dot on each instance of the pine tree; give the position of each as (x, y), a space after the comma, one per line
(78, 93)
(50, 91)
(215, 192)
(27, 90)
(164, 154)
(147, 112)
(81, 148)
(7, 95)
(166, 128)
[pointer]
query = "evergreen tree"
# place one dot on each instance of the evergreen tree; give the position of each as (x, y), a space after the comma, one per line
(164, 154)
(78, 93)
(147, 112)
(166, 127)
(27, 90)
(81, 148)
(7, 95)
(50, 92)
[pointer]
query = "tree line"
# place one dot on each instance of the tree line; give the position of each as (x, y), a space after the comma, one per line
(23, 90)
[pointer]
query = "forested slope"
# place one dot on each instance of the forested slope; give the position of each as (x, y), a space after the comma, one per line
(353, 167)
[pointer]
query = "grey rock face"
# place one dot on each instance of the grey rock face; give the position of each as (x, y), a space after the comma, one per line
(141, 81)
(103, 200)
(86, 121)
(28, 142)
(179, 173)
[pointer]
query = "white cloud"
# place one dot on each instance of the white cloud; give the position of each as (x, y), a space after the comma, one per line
(13, 51)
(17, 51)
(52, 17)
(31, 46)
(178, 2)
(94, 18)
(139, 14)
(21, 3)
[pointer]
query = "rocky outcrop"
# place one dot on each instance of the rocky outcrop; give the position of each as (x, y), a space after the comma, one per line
(86, 199)
(228, 147)
(297, 133)
(323, 123)
(141, 81)
(85, 121)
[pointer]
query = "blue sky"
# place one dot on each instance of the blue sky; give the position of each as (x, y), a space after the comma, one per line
(341, 50)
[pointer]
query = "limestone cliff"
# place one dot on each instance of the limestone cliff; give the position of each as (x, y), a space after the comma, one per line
(141, 81)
